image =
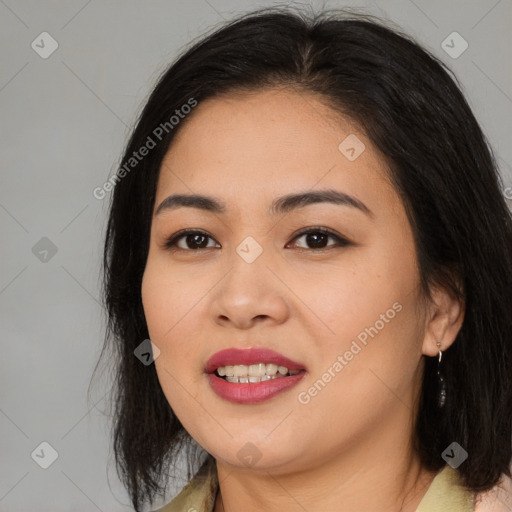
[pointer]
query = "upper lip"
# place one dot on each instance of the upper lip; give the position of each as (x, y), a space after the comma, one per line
(234, 356)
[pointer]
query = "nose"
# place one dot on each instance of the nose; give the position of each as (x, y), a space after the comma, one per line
(250, 293)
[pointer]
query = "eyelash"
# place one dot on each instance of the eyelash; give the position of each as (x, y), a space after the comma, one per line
(170, 243)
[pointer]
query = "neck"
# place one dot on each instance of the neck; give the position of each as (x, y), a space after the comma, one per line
(356, 493)
(381, 473)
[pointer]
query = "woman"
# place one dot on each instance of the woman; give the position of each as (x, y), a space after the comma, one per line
(309, 226)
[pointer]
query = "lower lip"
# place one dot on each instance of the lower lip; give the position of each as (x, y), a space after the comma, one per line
(254, 393)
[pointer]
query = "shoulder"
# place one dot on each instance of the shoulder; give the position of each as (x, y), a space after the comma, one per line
(447, 494)
(199, 494)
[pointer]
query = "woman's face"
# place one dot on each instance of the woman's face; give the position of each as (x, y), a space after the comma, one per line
(350, 314)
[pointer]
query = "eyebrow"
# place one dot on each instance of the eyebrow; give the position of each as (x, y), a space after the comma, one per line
(280, 205)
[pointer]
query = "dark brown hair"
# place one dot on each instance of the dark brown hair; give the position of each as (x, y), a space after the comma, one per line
(414, 112)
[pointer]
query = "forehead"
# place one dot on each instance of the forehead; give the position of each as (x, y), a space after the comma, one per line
(263, 144)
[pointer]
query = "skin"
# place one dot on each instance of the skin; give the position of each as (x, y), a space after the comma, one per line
(349, 448)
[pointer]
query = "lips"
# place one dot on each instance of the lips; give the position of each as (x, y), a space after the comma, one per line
(234, 356)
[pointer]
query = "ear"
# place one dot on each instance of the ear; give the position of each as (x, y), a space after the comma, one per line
(443, 321)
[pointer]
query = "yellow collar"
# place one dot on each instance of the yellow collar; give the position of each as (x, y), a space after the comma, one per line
(445, 493)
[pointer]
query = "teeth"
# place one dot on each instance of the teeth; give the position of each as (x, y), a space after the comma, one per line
(271, 369)
(260, 372)
(243, 380)
(257, 370)
(240, 370)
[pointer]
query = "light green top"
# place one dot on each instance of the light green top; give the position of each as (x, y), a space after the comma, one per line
(445, 493)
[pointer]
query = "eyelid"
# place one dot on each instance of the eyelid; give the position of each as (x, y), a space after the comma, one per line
(170, 242)
(341, 241)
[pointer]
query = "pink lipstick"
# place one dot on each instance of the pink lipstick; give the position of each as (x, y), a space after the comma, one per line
(252, 375)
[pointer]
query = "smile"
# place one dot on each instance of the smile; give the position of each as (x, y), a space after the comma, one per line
(251, 376)
(253, 373)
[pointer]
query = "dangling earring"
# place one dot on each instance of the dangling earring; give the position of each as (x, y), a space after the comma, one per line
(441, 400)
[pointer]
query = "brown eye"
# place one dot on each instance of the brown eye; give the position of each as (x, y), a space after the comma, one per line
(316, 238)
(193, 240)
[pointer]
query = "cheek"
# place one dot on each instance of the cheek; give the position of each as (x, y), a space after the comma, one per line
(371, 309)
(166, 298)
(355, 295)
(166, 303)
(174, 310)
(155, 297)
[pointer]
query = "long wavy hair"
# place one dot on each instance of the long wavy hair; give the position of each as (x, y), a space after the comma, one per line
(413, 110)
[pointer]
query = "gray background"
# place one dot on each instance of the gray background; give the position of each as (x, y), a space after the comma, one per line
(65, 120)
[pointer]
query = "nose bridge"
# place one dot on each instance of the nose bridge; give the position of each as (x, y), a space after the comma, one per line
(250, 289)
(248, 264)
